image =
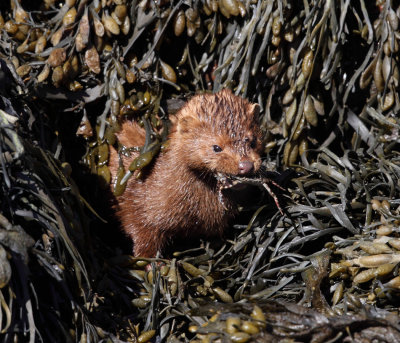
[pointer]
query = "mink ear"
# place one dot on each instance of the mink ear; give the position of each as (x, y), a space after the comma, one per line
(185, 124)
(255, 109)
(173, 119)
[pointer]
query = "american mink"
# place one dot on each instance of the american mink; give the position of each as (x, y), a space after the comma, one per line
(212, 135)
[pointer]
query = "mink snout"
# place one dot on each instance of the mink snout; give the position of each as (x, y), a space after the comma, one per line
(246, 167)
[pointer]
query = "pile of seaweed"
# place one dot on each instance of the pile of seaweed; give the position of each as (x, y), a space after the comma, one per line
(326, 75)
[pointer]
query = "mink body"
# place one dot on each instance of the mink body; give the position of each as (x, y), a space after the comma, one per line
(179, 196)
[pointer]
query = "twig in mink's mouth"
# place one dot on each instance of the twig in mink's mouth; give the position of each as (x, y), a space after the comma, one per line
(229, 181)
(224, 181)
(272, 194)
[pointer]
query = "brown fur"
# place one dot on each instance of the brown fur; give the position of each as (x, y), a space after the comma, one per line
(179, 195)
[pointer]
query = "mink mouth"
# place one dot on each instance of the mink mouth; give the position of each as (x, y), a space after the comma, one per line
(229, 187)
(225, 181)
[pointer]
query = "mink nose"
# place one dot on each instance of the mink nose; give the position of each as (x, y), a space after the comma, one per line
(245, 167)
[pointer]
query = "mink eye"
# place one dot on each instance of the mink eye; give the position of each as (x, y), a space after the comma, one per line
(217, 148)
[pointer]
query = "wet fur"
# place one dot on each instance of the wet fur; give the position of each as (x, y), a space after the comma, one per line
(179, 195)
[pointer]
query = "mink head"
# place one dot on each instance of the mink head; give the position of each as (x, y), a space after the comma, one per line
(218, 133)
